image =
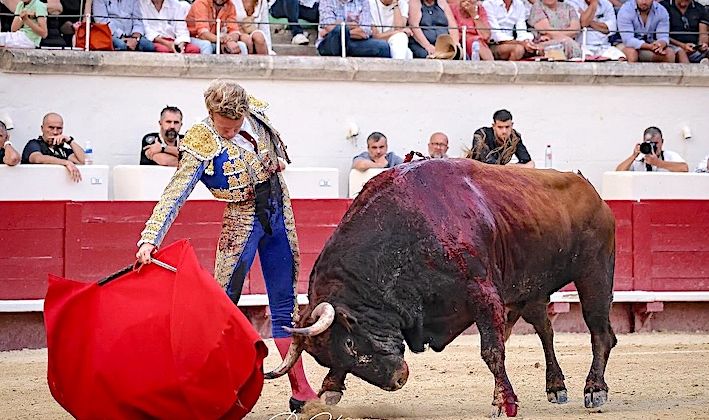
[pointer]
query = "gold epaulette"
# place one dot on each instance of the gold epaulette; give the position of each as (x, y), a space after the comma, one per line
(201, 142)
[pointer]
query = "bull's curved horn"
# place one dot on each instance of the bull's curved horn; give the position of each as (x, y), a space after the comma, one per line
(324, 313)
(296, 347)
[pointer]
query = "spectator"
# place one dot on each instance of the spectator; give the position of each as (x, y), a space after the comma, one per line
(165, 26)
(390, 18)
(125, 19)
(376, 155)
(71, 12)
(496, 145)
(255, 25)
(293, 10)
(54, 147)
(428, 20)
(512, 39)
(472, 15)
(29, 25)
(8, 154)
(649, 155)
(644, 27)
(161, 148)
(689, 34)
(201, 22)
(558, 24)
(598, 16)
(438, 145)
(703, 165)
(358, 30)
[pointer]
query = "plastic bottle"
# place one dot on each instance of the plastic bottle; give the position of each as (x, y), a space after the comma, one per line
(547, 157)
(476, 50)
(88, 154)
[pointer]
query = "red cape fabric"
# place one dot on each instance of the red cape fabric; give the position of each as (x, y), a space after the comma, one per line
(152, 343)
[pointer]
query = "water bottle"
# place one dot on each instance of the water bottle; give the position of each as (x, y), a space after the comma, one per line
(547, 157)
(88, 154)
(476, 50)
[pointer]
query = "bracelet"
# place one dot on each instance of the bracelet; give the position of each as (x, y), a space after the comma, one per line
(163, 148)
(71, 139)
(7, 143)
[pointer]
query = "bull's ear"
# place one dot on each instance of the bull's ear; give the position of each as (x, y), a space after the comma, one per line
(345, 318)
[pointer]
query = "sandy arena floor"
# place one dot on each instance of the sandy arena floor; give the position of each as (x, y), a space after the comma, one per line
(651, 376)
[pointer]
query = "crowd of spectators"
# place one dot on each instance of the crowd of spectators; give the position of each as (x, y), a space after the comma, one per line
(632, 30)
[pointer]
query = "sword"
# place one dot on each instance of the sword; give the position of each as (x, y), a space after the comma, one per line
(134, 267)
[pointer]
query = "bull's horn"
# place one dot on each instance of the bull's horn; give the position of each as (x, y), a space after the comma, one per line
(296, 347)
(324, 313)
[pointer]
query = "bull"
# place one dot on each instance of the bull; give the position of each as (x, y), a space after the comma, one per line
(432, 247)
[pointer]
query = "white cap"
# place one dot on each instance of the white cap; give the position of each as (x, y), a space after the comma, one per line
(5, 118)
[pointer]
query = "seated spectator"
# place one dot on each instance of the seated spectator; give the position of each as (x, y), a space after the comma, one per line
(649, 156)
(255, 25)
(293, 10)
(201, 22)
(689, 34)
(71, 12)
(496, 145)
(472, 15)
(165, 26)
(390, 18)
(29, 25)
(703, 165)
(161, 148)
(54, 147)
(438, 145)
(644, 27)
(599, 17)
(511, 39)
(128, 34)
(557, 25)
(428, 20)
(358, 30)
(8, 155)
(376, 155)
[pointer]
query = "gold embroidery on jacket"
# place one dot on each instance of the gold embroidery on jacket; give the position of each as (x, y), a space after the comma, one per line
(201, 142)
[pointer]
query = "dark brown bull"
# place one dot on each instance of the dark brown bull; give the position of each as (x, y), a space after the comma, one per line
(431, 247)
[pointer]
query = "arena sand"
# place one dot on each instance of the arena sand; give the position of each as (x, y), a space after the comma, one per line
(651, 376)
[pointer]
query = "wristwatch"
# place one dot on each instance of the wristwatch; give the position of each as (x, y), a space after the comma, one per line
(70, 140)
(163, 148)
(7, 142)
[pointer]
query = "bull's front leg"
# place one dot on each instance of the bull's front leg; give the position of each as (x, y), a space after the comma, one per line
(332, 386)
(491, 325)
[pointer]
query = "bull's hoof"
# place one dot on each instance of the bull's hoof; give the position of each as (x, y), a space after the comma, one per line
(331, 397)
(595, 399)
(510, 410)
(557, 397)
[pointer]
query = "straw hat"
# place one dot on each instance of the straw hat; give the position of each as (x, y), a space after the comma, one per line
(446, 49)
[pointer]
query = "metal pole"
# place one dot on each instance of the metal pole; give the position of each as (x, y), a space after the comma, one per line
(465, 43)
(219, 36)
(88, 31)
(584, 32)
(342, 39)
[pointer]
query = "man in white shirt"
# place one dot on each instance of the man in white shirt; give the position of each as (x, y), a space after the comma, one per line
(512, 41)
(389, 18)
(169, 34)
(598, 17)
(648, 156)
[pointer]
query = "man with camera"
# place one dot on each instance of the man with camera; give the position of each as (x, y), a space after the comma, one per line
(648, 156)
(161, 148)
(54, 147)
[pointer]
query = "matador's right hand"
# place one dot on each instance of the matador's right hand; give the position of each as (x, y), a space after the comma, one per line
(144, 253)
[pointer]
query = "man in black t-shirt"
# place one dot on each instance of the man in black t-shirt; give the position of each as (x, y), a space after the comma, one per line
(688, 29)
(54, 147)
(496, 145)
(8, 155)
(161, 148)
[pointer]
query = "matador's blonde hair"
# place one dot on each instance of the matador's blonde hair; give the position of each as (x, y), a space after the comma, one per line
(226, 98)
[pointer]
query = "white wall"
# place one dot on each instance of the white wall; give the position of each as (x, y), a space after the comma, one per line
(590, 127)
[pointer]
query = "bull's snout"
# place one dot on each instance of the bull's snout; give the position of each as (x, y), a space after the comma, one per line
(399, 378)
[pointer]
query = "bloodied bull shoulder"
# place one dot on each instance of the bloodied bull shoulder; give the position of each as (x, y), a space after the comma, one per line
(431, 247)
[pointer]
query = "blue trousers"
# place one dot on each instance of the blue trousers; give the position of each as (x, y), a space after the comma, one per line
(332, 45)
(143, 45)
(277, 266)
(293, 10)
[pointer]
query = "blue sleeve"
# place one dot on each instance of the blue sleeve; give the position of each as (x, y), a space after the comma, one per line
(663, 26)
(394, 160)
(31, 147)
(625, 26)
(100, 8)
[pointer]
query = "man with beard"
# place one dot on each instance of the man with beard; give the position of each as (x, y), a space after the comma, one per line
(438, 145)
(497, 144)
(644, 26)
(161, 148)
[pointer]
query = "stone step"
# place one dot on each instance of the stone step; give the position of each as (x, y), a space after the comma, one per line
(296, 50)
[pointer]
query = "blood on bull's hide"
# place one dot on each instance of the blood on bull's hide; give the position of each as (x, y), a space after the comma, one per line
(431, 247)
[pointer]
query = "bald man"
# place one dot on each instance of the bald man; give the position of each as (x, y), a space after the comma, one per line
(438, 145)
(54, 147)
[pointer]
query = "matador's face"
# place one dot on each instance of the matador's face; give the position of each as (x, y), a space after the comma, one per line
(226, 127)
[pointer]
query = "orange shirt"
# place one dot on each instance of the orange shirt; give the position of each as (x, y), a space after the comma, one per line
(203, 10)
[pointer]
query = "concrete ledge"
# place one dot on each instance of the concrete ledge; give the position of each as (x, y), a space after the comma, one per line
(349, 69)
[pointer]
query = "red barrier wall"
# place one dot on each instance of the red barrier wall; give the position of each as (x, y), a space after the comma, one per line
(661, 245)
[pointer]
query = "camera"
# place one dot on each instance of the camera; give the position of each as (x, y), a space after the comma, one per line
(648, 147)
